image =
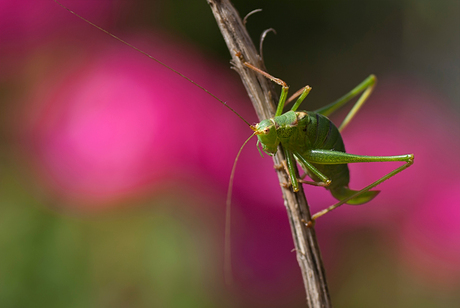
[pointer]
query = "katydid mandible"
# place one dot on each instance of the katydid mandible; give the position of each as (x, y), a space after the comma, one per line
(308, 138)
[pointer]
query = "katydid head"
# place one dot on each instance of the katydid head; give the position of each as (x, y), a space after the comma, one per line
(268, 137)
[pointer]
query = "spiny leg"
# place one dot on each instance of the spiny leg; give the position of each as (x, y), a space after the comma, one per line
(334, 157)
(367, 86)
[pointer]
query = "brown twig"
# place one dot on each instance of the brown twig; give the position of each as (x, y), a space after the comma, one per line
(262, 96)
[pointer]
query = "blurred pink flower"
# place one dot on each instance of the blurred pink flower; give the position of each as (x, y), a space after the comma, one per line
(120, 123)
(430, 238)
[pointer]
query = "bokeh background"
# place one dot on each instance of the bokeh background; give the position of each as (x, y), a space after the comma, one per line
(114, 170)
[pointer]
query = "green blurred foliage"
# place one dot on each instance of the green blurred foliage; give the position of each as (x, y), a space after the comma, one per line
(137, 256)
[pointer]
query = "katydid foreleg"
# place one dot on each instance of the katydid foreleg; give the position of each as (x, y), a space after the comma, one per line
(284, 91)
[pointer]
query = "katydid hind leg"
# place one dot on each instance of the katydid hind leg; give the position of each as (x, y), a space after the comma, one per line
(358, 197)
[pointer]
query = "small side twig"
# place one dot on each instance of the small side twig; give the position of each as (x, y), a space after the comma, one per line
(262, 96)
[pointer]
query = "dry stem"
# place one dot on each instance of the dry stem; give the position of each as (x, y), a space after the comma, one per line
(261, 94)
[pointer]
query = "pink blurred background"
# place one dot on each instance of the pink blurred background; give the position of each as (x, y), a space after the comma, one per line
(114, 169)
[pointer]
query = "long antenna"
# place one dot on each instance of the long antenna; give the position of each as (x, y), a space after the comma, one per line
(227, 244)
(153, 58)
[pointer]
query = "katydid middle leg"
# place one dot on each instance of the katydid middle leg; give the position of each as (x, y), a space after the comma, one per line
(367, 86)
(290, 170)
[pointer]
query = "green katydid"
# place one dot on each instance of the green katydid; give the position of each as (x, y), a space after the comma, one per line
(309, 138)
(312, 140)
